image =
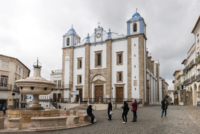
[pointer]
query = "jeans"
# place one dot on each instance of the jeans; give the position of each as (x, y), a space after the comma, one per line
(124, 115)
(109, 116)
(92, 117)
(134, 116)
(164, 110)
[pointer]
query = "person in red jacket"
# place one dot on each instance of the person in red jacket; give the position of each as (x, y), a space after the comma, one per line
(134, 110)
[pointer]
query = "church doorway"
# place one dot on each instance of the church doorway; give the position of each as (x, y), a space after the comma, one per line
(99, 93)
(79, 95)
(119, 94)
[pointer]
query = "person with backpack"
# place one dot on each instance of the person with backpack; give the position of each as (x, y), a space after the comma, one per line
(89, 113)
(164, 107)
(125, 110)
(134, 110)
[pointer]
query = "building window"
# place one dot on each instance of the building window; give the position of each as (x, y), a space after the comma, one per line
(19, 71)
(134, 27)
(4, 81)
(16, 68)
(98, 59)
(79, 79)
(59, 83)
(55, 81)
(68, 41)
(5, 64)
(135, 83)
(79, 63)
(119, 76)
(197, 38)
(119, 58)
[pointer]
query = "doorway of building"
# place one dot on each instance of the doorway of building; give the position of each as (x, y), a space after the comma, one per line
(59, 97)
(98, 93)
(79, 95)
(54, 97)
(119, 94)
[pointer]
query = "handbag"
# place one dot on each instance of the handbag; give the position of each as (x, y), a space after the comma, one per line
(111, 112)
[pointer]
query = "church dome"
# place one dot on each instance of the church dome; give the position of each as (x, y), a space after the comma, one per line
(136, 15)
(71, 31)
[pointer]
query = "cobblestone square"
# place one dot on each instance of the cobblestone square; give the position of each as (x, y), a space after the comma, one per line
(180, 120)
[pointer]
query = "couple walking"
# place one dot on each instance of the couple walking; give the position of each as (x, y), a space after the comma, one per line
(125, 110)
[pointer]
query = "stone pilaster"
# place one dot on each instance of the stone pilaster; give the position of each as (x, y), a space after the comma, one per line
(109, 67)
(129, 68)
(87, 70)
(141, 48)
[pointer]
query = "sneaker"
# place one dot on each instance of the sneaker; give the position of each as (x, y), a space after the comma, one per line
(161, 116)
(123, 122)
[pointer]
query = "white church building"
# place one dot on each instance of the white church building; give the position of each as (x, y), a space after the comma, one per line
(110, 65)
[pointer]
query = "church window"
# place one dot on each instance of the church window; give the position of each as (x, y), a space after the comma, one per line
(120, 76)
(98, 59)
(79, 63)
(79, 79)
(120, 58)
(134, 27)
(68, 41)
(135, 82)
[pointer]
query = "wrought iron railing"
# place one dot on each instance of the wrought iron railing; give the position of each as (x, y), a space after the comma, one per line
(187, 81)
(193, 78)
(198, 78)
(5, 87)
(15, 89)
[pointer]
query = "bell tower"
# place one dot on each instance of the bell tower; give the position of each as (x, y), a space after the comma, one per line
(136, 25)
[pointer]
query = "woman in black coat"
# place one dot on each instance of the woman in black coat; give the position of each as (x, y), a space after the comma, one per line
(125, 110)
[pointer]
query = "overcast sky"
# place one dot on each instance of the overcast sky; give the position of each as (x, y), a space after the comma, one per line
(34, 28)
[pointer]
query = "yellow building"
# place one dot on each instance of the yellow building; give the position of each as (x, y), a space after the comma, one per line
(11, 69)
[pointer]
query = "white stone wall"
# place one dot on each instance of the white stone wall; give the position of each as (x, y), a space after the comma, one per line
(135, 66)
(118, 46)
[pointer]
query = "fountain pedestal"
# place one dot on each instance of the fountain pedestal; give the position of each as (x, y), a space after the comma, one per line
(35, 103)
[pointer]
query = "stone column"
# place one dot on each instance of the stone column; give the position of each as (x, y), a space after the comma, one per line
(141, 47)
(87, 70)
(109, 67)
(129, 67)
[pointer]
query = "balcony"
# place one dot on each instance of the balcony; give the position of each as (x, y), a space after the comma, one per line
(198, 78)
(66, 86)
(16, 89)
(197, 59)
(187, 81)
(5, 87)
(189, 66)
(193, 78)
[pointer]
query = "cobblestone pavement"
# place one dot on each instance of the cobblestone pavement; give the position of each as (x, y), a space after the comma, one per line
(178, 121)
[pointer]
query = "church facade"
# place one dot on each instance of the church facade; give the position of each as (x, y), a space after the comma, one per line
(109, 65)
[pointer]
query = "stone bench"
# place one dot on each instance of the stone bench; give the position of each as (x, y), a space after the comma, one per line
(79, 112)
(84, 119)
(15, 123)
(2, 123)
(64, 113)
(48, 122)
(72, 112)
(73, 120)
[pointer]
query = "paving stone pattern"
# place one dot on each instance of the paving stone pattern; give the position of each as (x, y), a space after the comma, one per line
(178, 121)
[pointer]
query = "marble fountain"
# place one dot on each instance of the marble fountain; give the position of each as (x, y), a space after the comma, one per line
(35, 117)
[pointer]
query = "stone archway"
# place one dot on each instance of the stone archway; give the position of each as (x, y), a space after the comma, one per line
(195, 95)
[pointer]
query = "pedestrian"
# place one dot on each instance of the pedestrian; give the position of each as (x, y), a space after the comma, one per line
(53, 103)
(89, 112)
(125, 110)
(134, 110)
(59, 107)
(164, 107)
(109, 110)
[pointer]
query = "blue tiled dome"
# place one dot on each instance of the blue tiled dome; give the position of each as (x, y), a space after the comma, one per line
(136, 15)
(71, 31)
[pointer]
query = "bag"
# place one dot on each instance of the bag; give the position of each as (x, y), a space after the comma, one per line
(111, 112)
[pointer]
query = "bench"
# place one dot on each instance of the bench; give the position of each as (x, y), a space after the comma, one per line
(73, 120)
(84, 119)
(2, 123)
(79, 112)
(48, 122)
(1, 113)
(15, 123)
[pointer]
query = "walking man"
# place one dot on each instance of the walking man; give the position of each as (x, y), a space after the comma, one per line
(164, 107)
(109, 110)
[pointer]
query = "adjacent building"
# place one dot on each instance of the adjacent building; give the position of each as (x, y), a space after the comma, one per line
(11, 69)
(186, 82)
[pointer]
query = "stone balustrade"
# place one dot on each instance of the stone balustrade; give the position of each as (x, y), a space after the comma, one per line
(15, 123)
(48, 122)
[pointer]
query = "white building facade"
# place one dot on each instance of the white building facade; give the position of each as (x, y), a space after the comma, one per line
(109, 65)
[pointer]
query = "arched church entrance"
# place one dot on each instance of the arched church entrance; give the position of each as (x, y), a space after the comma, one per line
(195, 95)
(98, 88)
